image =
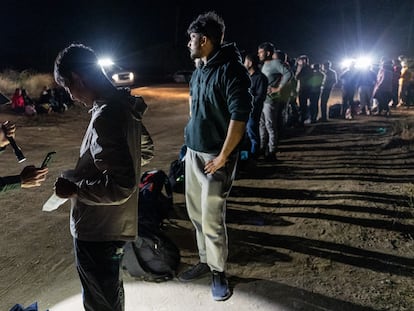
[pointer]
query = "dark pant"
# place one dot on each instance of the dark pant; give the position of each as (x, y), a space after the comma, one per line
(98, 265)
(347, 101)
(253, 129)
(324, 103)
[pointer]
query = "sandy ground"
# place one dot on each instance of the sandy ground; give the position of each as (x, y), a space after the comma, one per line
(329, 227)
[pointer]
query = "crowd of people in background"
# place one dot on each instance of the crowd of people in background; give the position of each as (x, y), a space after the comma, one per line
(50, 100)
(298, 91)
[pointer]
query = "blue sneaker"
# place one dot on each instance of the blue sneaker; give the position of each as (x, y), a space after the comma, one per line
(195, 272)
(219, 286)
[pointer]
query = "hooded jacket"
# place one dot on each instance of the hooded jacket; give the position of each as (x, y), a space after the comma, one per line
(107, 172)
(219, 93)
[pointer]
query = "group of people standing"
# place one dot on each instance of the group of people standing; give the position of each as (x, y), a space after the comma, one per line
(278, 83)
(390, 85)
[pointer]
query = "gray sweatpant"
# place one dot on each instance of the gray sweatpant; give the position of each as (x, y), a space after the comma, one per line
(206, 197)
(269, 126)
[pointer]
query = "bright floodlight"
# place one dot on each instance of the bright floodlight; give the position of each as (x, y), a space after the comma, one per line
(105, 62)
(363, 62)
(347, 62)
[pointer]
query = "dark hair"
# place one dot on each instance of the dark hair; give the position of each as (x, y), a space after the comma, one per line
(304, 58)
(210, 25)
(267, 47)
(76, 58)
(281, 55)
(327, 64)
(254, 59)
(316, 66)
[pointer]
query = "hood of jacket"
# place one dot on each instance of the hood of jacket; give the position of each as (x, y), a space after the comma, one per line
(227, 53)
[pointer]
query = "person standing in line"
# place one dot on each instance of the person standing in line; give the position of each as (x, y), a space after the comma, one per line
(303, 75)
(220, 104)
(278, 75)
(404, 81)
(259, 92)
(315, 84)
(349, 80)
(330, 79)
(30, 176)
(366, 81)
(383, 87)
(396, 74)
(103, 185)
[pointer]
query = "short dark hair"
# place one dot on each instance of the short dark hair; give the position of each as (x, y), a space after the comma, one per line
(281, 55)
(327, 64)
(254, 59)
(77, 58)
(209, 24)
(267, 47)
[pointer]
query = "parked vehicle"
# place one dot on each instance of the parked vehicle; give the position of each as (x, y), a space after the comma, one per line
(119, 76)
(122, 77)
(182, 76)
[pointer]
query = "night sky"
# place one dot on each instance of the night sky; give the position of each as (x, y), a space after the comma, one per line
(152, 37)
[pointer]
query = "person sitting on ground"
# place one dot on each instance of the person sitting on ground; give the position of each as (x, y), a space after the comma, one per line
(17, 102)
(29, 104)
(30, 176)
(44, 104)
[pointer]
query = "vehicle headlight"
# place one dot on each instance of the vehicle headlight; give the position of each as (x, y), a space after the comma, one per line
(115, 77)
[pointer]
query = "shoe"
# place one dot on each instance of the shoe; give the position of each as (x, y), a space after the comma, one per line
(348, 114)
(219, 286)
(195, 272)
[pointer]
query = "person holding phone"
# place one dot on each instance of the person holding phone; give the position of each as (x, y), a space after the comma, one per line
(103, 186)
(30, 176)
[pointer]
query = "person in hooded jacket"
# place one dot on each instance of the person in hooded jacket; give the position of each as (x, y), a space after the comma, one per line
(103, 186)
(220, 105)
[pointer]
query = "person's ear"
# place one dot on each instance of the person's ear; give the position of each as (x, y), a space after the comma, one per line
(203, 40)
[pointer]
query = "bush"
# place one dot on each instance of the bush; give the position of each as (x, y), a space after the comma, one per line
(31, 81)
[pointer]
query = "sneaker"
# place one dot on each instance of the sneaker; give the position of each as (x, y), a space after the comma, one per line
(219, 286)
(195, 272)
(348, 114)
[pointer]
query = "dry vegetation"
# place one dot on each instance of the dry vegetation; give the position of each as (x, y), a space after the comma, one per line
(31, 81)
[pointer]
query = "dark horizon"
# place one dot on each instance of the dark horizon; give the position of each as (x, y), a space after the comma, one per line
(153, 38)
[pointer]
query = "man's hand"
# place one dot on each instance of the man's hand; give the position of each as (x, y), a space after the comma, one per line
(64, 188)
(214, 165)
(32, 176)
(8, 129)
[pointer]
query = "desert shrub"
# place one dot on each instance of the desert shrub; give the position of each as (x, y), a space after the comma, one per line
(32, 81)
(35, 83)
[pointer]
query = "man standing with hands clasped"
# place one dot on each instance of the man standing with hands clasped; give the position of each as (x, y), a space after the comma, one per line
(220, 104)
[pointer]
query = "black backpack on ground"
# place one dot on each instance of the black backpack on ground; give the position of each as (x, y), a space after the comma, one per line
(152, 256)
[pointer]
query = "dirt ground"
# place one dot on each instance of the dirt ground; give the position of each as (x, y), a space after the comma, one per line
(328, 227)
